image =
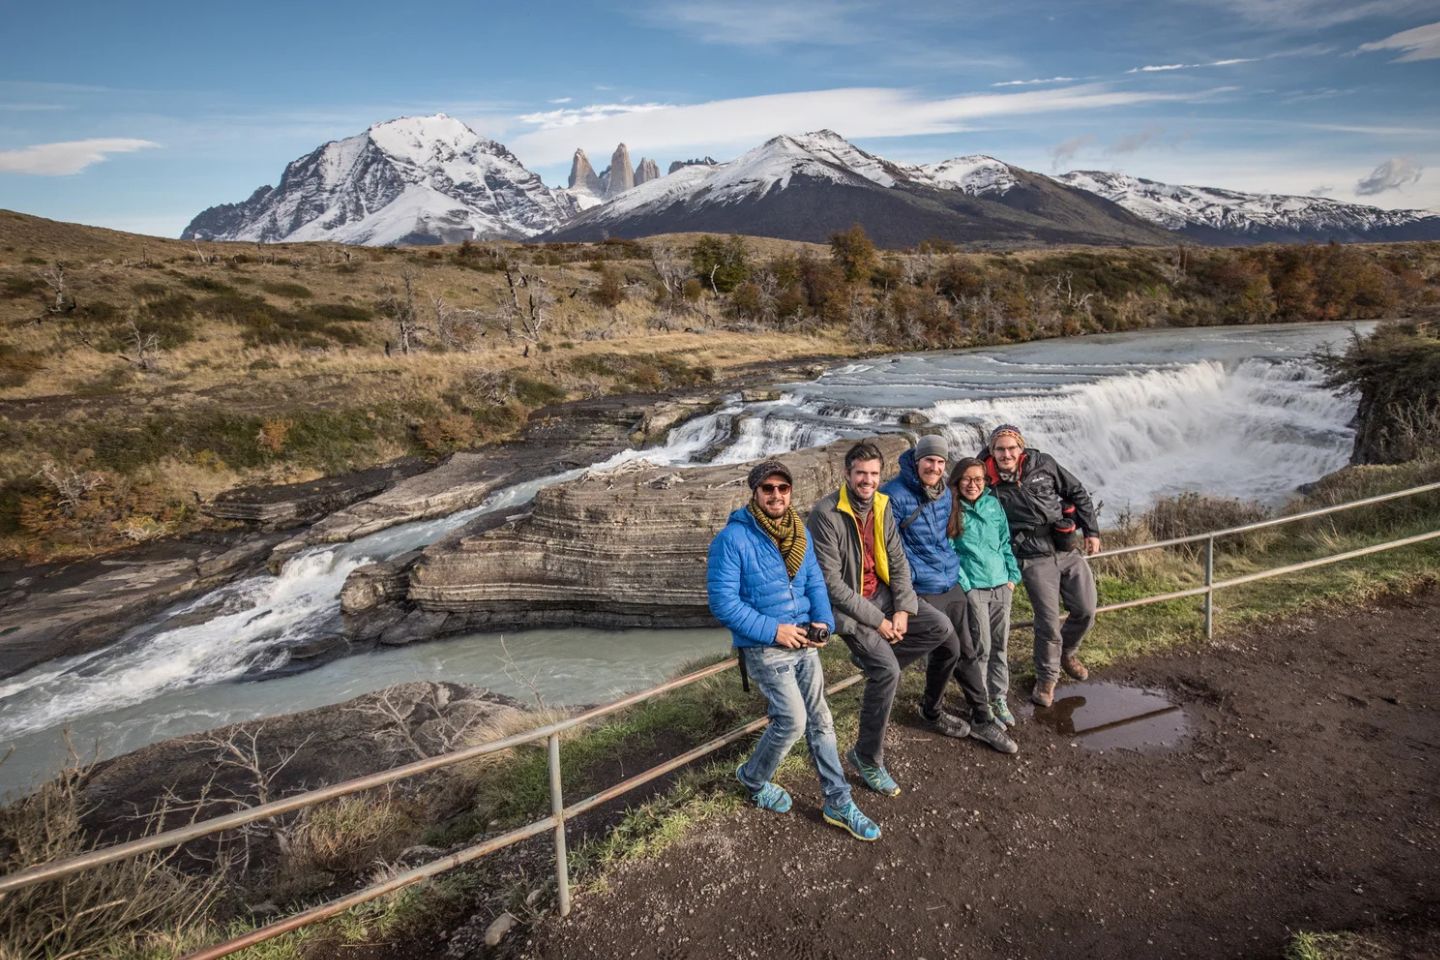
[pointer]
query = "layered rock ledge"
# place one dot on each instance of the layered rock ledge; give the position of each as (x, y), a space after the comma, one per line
(619, 548)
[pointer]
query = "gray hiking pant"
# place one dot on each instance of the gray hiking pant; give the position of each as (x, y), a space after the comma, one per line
(1062, 577)
(970, 667)
(989, 623)
(928, 634)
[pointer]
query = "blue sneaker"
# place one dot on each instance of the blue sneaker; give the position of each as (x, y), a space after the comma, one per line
(772, 796)
(850, 819)
(876, 778)
(1002, 712)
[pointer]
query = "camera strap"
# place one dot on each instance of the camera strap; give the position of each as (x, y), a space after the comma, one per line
(744, 673)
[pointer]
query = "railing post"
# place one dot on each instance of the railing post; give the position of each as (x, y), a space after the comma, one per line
(557, 808)
(1209, 588)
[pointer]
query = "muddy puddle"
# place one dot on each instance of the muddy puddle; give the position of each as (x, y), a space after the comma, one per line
(1111, 716)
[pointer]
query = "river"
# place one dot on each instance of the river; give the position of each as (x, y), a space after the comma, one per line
(1231, 411)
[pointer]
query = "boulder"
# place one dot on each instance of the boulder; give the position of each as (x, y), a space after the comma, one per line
(621, 548)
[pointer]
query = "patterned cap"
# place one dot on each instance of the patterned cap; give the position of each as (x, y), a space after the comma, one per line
(1003, 429)
(768, 468)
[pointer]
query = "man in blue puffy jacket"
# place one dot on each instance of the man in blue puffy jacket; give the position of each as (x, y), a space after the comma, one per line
(766, 586)
(921, 505)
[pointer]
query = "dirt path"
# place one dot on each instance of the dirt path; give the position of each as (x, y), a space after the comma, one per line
(1307, 798)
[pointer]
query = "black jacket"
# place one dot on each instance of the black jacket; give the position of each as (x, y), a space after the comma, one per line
(1034, 503)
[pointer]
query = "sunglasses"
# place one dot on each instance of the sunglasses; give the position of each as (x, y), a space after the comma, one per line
(774, 488)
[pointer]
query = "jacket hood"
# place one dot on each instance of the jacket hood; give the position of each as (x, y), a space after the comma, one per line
(909, 473)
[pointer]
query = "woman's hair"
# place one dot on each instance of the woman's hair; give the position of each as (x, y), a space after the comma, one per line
(956, 526)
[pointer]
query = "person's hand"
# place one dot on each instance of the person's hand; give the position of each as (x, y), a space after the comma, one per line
(1011, 585)
(887, 630)
(1092, 546)
(789, 636)
(901, 619)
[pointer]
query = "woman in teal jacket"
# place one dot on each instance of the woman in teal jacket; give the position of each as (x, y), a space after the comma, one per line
(980, 535)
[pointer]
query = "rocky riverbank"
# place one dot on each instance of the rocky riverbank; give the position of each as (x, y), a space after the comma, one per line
(624, 548)
(61, 610)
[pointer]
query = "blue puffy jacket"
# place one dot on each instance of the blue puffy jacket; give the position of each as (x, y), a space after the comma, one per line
(750, 590)
(934, 568)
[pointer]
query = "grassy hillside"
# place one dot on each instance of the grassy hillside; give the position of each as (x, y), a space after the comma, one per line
(141, 376)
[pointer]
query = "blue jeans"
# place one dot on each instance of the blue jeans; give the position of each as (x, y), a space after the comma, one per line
(794, 686)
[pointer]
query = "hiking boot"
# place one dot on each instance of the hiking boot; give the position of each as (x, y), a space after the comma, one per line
(851, 820)
(945, 723)
(993, 735)
(771, 796)
(875, 777)
(1073, 668)
(1043, 695)
(1002, 712)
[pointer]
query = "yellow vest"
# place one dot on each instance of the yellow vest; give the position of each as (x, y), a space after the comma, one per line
(878, 505)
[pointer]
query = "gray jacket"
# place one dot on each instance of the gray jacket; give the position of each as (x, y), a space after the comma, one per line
(835, 535)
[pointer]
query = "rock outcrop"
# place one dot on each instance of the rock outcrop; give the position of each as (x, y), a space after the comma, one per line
(583, 175)
(71, 609)
(621, 176)
(375, 731)
(646, 170)
(693, 162)
(622, 548)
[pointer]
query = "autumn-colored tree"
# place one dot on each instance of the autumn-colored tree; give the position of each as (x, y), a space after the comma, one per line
(854, 253)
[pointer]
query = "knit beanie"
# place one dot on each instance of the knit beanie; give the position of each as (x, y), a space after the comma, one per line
(932, 445)
(767, 468)
(1003, 429)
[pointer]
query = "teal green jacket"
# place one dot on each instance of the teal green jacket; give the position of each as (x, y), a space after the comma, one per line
(986, 559)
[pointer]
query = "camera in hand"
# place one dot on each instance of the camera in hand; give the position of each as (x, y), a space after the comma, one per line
(1065, 533)
(816, 634)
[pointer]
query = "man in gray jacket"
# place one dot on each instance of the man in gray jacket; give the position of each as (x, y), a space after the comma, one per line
(877, 613)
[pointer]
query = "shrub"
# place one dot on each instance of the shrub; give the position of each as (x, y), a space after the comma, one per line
(446, 433)
(723, 263)
(1192, 513)
(15, 288)
(17, 365)
(854, 253)
(281, 288)
(611, 291)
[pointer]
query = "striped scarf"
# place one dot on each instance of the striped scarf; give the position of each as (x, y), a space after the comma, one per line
(787, 532)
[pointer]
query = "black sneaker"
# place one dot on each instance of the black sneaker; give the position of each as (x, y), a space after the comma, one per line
(945, 723)
(993, 735)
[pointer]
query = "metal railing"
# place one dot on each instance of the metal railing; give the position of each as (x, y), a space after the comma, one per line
(560, 814)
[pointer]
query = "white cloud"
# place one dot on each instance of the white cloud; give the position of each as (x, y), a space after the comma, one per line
(855, 112)
(62, 159)
(1421, 43)
(572, 116)
(1031, 83)
(1163, 67)
(560, 100)
(1308, 15)
(1393, 174)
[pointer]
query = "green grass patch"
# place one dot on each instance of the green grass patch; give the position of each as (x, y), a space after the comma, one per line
(642, 372)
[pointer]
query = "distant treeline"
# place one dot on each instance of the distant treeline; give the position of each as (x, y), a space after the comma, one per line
(938, 298)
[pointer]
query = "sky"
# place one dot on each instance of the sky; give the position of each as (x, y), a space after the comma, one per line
(139, 115)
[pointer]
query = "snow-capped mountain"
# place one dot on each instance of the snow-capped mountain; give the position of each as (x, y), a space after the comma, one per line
(1214, 215)
(809, 186)
(977, 175)
(411, 180)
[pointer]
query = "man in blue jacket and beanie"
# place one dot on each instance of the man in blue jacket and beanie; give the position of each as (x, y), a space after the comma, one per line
(921, 505)
(766, 586)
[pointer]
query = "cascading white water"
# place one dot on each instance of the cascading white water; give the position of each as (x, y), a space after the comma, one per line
(1235, 411)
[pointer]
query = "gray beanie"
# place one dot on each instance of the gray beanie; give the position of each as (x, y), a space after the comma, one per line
(768, 468)
(932, 445)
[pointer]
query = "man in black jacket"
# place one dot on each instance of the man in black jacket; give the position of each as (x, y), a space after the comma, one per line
(1036, 492)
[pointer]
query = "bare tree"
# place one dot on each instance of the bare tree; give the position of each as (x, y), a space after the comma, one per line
(144, 349)
(201, 255)
(455, 328)
(54, 278)
(71, 486)
(399, 305)
(530, 316)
